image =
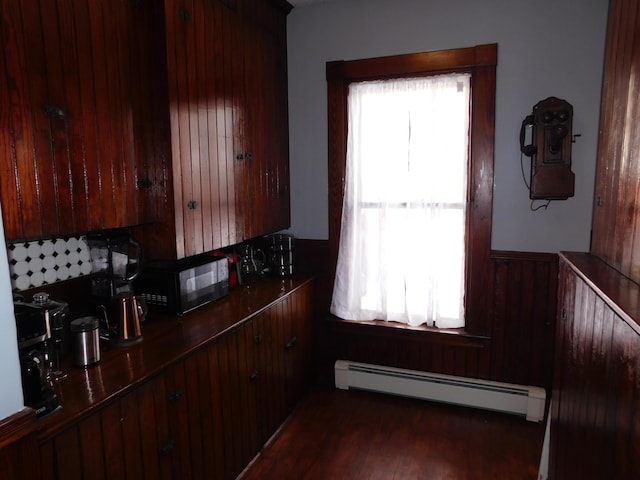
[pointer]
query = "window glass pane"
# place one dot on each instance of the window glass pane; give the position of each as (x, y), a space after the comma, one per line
(413, 138)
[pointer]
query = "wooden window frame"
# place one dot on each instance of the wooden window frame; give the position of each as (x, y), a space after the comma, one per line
(480, 61)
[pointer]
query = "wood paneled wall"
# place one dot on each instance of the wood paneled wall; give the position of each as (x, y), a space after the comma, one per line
(517, 346)
(524, 292)
(616, 210)
(595, 431)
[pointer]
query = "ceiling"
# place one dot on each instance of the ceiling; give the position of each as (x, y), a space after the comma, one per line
(302, 3)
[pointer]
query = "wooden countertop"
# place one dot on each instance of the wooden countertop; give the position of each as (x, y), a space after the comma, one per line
(166, 338)
(619, 292)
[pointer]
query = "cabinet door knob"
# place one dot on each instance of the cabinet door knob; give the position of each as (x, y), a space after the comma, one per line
(175, 396)
(54, 112)
(167, 448)
(258, 339)
(254, 375)
(185, 14)
(192, 205)
(248, 155)
(240, 156)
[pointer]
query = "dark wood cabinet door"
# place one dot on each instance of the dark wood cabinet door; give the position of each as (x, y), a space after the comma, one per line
(70, 92)
(297, 347)
(228, 166)
(268, 379)
(204, 65)
(129, 438)
(237, 401)
(267, 168)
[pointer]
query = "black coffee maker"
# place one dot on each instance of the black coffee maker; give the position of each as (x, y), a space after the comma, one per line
(116, 260)
(34, 349)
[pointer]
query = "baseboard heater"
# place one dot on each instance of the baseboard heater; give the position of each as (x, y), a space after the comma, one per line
(503, 397)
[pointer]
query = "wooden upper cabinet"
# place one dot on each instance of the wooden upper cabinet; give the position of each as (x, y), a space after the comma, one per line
(226, 70)
(266, 165)
(203, 71)
(72, 102)
(616, 209)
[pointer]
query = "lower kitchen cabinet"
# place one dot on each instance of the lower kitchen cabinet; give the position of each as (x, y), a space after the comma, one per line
(206, 414)
(129, 438)
(263, 366)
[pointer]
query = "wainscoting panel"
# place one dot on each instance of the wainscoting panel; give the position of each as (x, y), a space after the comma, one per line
(516, 348)
(525, 289)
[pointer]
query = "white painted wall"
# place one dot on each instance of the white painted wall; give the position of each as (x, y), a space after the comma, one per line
(545, 48)
(11, 400)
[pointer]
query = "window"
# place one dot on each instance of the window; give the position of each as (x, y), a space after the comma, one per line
(407, 159)
(469, 210)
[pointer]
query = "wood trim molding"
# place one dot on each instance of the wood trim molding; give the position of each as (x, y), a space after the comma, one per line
(481, 62)
(16, 426)
(516, 255)
(458, 59)
(401, 331)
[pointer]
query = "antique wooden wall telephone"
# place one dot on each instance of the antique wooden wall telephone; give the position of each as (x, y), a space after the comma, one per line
(550, 149)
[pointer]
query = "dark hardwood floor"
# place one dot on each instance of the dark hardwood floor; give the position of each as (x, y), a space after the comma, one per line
(340, 435)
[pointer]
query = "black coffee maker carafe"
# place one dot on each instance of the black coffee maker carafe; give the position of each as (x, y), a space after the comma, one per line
(35, 363)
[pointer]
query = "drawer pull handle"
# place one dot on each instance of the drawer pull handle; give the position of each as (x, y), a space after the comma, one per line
(254, 375)
(258, 339)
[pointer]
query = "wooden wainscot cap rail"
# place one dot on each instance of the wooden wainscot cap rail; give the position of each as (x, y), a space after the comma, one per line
(617, 291)
(17, 426)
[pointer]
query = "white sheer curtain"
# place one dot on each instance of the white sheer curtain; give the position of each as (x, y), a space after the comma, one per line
(402, 238)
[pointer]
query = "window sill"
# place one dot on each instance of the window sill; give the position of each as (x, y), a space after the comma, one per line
(422, 333)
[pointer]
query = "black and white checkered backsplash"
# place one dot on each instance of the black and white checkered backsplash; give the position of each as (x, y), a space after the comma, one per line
(40, 262)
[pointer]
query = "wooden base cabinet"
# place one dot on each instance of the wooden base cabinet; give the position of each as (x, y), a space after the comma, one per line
(205, 416)
(127, 439)
(595, 433)
(265, 368)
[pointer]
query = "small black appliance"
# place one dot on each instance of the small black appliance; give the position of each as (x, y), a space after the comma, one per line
(179, 286)
(34, 349)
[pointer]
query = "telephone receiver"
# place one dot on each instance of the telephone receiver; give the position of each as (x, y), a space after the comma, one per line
(528, 150)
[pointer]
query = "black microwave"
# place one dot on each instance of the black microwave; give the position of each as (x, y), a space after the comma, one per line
(179, 286)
